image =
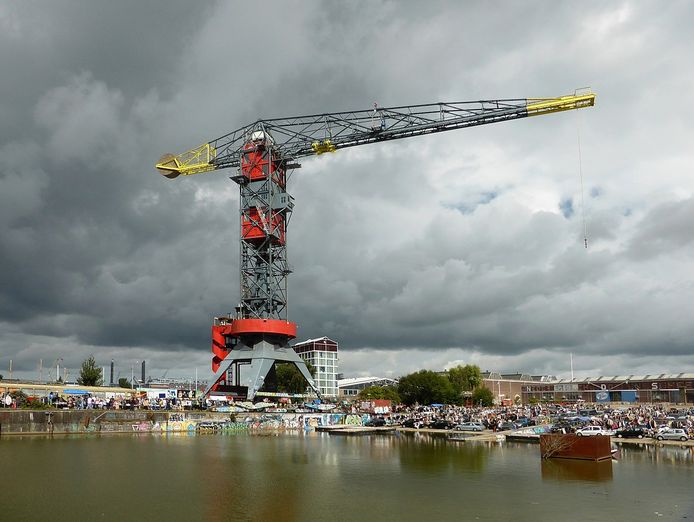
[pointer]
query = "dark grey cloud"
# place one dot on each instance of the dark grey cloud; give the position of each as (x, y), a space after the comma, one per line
(462, 246)
(665, 231)
(130, 45)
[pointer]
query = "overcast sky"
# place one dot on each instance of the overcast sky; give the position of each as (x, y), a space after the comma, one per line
(461, 247)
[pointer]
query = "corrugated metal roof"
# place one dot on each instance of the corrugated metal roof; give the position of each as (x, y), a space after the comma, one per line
(630, 378)
(354, 381)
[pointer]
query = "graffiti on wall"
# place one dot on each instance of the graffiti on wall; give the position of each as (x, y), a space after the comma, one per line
(186, 422)
(355, 420)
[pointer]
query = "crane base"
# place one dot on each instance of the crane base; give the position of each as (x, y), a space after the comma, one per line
(261, 357)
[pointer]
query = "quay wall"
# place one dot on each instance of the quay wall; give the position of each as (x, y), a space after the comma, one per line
(41, 422)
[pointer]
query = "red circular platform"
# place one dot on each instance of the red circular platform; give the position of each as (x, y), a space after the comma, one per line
(262, 326)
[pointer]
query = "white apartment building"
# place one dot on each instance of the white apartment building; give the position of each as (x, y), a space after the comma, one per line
(322, 354)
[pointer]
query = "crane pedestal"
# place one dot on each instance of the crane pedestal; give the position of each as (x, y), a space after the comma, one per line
(258, 343)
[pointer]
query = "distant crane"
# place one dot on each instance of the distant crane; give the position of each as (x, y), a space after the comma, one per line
(262, 152)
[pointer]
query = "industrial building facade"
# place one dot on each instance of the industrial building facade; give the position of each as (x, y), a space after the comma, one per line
(322, 354)
(350, 388)
(666, 388)
(507, 388)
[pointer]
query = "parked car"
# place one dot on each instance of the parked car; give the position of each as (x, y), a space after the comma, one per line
(588, 431)
(523, 422)
(375, 422)
(506, 425)
(572, 421)
(408, 423)
(441, 424)
(673, 434)
(561, 427)
(470, 426)
(632, 432)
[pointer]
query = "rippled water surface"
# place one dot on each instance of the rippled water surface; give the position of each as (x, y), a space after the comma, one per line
(323, 477)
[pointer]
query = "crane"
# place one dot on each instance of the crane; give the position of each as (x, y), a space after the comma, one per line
(262, 153)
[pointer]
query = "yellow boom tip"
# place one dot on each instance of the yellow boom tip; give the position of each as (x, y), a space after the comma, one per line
(168, 167)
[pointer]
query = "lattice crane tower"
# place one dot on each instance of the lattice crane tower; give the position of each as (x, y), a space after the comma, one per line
(262, 152)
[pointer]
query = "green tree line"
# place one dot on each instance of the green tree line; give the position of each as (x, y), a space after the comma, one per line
(426, 387)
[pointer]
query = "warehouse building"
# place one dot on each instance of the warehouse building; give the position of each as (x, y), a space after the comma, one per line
(507, 388)
(350, 388)
(666, 388)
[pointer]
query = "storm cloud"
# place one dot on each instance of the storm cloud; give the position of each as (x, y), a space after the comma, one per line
(466, 246)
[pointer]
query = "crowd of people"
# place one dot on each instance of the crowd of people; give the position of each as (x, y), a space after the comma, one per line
(650, 417)
(491, 418)
(87, 402)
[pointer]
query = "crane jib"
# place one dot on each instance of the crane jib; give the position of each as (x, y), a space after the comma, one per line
(302, 136)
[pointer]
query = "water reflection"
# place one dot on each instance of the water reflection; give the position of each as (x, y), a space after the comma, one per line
(573, 470)
(423, 453)
(245, 485)
(661, 455)
(322, 477)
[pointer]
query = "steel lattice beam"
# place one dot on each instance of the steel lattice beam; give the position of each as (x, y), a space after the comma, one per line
(301, 136)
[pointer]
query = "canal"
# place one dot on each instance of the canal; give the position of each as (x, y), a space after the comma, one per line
(285, 477)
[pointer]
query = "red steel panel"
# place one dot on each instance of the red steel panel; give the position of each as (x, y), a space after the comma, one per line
(219, 345)
(256, 162)
(570, 446)
(253, 165)
(252, 226)
(268, 326)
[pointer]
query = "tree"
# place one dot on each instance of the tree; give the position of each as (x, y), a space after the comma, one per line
(380, 392)
(427, 387)
(465, 378)
(290, 379)
(90, 375)
(483, 396)
(124, 383)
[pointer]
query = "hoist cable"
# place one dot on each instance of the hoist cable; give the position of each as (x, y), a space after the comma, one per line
(580, 173)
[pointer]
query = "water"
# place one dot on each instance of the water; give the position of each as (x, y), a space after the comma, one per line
(322, 477)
